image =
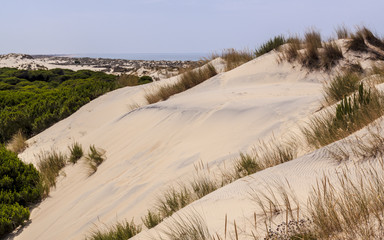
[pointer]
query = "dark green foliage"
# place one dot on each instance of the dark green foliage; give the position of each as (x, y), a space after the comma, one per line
(32, 101)
(20, 185)
(145, 79)
(271, 44)
(121, 231)
(97, 157)
(11, 216)
(76, 152)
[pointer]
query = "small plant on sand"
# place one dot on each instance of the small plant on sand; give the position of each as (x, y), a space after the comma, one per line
(188, 227)
(310, 57)
(152, 219)
(76, 152)
(120, 231)
(341, 86)
(50, 165)
(95, 157)
(331, 54)
(270, 45)
(291, 50)
(18, 142)
(234, 58)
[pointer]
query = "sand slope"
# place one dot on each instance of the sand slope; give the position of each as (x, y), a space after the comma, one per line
(159, 144)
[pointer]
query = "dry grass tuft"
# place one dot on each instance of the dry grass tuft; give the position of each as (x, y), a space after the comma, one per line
(330, 56)
(186, 81)
(310, 58)
(18, 143)
(120, 231)
(291, 51)
(187, 227)
(127, 80)
(355, 210)
(235, 58)
(342, 32)
(50, 165)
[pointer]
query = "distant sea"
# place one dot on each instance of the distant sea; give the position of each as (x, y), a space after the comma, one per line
(146, 56)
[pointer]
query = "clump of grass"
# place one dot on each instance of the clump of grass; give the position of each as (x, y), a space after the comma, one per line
(95, 157)
(120, 231)
(186, 81)
(372, 39)
(310, 58)
(203, 185)
(173, 200)
(341, 86)
(355, 210)
(270, 45)
(357, 42)
(235, 58)
(332, 53)
(187, 227)
(152, 219)
(18, 142)
(49, 165)
(291, 52)
(342, 32)
(76, 152)
(352, 114)
(246, 165)
(127, 80)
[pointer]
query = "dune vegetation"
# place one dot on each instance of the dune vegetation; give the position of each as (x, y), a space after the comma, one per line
(33, 100)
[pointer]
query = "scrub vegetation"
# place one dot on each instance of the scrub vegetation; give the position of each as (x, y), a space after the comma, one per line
(33, 100)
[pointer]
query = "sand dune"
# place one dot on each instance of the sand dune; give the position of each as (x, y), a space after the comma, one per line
(157, 145)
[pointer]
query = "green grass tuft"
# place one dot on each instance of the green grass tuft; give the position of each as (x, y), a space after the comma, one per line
(270, 45)
(76, 152)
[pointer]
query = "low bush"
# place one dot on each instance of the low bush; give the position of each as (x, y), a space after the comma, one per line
(145, 79)
(76, 152)
(20, 186)
(270, 45)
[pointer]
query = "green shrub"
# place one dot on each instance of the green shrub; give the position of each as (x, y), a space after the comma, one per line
(11, 216)
(76, 152)
(145, 79)
(20, 186)
(271, 44)
(33, 100)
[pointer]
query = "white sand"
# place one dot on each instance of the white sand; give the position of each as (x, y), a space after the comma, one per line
(158, 144)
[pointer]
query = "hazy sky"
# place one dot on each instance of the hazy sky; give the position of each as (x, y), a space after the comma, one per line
(170, 26)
